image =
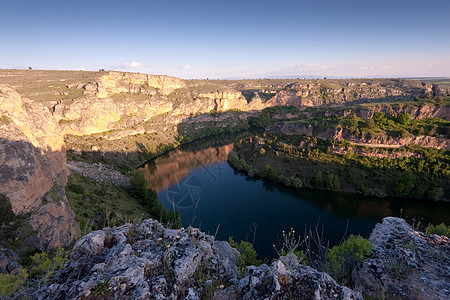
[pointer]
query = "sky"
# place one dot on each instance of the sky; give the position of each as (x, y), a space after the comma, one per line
(230, 39)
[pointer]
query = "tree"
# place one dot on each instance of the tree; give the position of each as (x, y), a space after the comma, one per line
(333, 182)
(404, 119)
(318, 178)
(405, 184)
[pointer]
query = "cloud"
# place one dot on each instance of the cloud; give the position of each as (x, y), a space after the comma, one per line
(185, 67)
(132, 65)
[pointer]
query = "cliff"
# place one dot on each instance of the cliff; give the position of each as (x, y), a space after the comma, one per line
(33, 168)
(128, 109)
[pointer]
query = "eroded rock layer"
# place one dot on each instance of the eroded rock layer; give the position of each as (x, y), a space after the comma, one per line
(33, 168)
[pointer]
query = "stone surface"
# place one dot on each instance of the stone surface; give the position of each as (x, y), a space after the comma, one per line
(405, 264)
(33, 169)
(8, 261)
(149, 261)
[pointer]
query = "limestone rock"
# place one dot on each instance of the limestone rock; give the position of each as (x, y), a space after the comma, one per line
(279, 281)
(405, 264)
(8, 261)
(33, 167)
(123, 82)
(149, 261)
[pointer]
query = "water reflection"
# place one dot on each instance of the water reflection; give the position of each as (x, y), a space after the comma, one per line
(198, 181)
(173, 168)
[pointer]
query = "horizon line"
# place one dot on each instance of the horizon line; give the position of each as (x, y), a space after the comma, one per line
(274, 77)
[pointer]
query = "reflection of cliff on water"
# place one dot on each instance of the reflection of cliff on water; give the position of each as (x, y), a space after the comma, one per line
(175, 165)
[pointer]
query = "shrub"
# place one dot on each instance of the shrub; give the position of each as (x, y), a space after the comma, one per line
(435, 193)
(149, 198)
(248, 254)
(9, 283)
(405, 184)
(342, 259)
(76, 188)
(318, 179)
(440, 229)
(333, 182)
(44, 266)
(404, 118)
(270, 172)
(6, 212)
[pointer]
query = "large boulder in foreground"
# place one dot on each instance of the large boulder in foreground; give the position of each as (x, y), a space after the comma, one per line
(149, 261)
(33, 170)
(405, 264)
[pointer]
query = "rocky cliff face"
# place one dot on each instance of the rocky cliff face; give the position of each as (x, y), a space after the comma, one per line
(149, 261)
(405, 264)
(118, 101)
(33, 168)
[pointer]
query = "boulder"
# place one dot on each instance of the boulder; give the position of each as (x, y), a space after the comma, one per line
(405, 264)
(148, 261)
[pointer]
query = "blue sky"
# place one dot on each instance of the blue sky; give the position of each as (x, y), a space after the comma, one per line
(225, 39)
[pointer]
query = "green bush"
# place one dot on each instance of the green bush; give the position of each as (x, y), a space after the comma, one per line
(9, 283)
(149, 198)
(333, 182)
(440, 229)
(342, 259)
(76, 188)
(6, 212)
(435, 193)
(248, 254)
(405, 184)
(270, 173)
(404, 119)
(318, 178)
(43, 267)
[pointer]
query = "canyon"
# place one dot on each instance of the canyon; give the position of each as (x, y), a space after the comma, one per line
(121, 119)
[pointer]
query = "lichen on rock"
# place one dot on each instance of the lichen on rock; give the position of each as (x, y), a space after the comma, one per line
(153, 262)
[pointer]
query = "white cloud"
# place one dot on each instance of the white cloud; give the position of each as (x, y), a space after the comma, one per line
(132, 65)
(185, 67)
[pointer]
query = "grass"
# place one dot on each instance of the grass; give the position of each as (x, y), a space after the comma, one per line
(96, 205)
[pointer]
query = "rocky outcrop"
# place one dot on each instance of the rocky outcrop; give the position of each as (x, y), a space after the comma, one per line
(340, 93)
(99, 172)
(419, 111)
(33, 168)
(134, 83)
(405, 264)
(149, 261)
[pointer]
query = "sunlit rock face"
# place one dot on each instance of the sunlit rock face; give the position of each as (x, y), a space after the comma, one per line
(33, 167)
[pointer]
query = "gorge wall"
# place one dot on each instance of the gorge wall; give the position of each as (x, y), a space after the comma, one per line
(120, 115)
(33, 169)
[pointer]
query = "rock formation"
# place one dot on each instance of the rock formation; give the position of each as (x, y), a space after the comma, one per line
(149, 261)
(33, 169)
(405, 264)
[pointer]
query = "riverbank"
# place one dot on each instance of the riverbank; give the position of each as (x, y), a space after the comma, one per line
(302, 161)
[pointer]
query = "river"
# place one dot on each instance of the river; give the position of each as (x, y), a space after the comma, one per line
(197, 180)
